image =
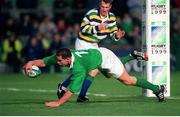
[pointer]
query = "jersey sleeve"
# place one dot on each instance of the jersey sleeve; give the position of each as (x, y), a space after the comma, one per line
(50, 60)
(86, 26)
(114, 27)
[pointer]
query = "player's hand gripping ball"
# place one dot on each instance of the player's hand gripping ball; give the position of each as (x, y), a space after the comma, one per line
(34, 73)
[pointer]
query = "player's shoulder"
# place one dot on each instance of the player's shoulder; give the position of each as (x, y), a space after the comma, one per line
(50, 59)
(112, 16)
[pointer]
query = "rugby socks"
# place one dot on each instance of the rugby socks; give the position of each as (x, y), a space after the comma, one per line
(126, 59)
(146, 85)
(86, 84)
(67, 81)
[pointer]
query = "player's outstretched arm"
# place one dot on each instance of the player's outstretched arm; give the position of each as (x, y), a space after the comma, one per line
(28, 66)
(119, 34)
(61, 101)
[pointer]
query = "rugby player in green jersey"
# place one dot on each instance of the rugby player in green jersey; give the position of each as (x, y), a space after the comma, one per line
(85, 63)
(98, 24)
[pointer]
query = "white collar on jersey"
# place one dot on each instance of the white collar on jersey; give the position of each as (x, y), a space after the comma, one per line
(104, 19)
(72, 61)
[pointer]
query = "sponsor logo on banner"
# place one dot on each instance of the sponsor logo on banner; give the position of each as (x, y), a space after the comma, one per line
(158, 7)
(159, 70)
(158, 38)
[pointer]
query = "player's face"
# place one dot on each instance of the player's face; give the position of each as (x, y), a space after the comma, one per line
(62, 62)
(104, 8)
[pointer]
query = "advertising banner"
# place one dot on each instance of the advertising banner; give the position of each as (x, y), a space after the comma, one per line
(156, 35)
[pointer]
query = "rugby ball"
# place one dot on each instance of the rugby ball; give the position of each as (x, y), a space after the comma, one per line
(35, 72)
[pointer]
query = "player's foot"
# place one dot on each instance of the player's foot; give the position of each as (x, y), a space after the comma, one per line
(139, 55)
(160, 94)
(61, 90)
(82, 99)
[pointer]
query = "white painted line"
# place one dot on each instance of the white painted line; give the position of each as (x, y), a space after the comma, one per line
(54, 91)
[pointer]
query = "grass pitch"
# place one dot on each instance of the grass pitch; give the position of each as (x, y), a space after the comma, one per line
(23, 96)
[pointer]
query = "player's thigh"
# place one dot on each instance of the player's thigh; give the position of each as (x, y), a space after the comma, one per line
(116, 68)
(94, 72)
(112, 63)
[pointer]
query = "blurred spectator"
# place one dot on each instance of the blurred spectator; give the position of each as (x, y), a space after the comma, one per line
(9, 27)
(45, 42)
(12, 48)
(66, 38)
(55, 45)
(26, 4)
(75, 32)
(5, 5)
(135, 8)
(25, 26)
(135, 36)
(35, 27)
(47, 27)
(128, 26)
(32, 50)
(61, 26)
(175, 42)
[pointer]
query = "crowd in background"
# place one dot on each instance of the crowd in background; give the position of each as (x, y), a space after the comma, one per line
(32, 29)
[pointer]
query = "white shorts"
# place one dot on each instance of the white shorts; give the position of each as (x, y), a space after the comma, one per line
(111, 62)
(84, 45)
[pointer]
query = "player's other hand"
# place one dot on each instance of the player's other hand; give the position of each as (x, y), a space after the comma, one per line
(52, 104)
(120, 33)
(27, 67)
(102, 26)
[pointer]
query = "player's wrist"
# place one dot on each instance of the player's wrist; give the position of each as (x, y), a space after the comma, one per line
(116, 38)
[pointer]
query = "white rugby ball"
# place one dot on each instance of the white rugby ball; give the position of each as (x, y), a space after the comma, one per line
(35, 72)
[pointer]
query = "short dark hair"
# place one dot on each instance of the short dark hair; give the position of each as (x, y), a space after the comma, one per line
(64, 52)
(107, 1)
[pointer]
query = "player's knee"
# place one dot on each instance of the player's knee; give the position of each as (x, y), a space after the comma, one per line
(128, 81)
(93, 73)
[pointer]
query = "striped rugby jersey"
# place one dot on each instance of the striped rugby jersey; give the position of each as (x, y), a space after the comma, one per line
(89, 27)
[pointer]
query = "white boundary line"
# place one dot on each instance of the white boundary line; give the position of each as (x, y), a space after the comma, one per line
(54, 91)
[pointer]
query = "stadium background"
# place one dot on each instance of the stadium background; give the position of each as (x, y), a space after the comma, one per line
(37, 28)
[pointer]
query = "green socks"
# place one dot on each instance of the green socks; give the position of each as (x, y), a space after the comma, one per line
(146, 85)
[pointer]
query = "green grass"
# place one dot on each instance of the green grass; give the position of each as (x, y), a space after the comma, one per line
(22, 96)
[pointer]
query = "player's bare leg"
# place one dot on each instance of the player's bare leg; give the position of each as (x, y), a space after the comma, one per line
(140, 82)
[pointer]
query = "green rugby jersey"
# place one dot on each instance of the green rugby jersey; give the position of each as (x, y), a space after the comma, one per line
(83, 61)
(89, 26)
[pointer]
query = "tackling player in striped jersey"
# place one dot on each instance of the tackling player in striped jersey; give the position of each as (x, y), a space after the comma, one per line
(98, 24)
